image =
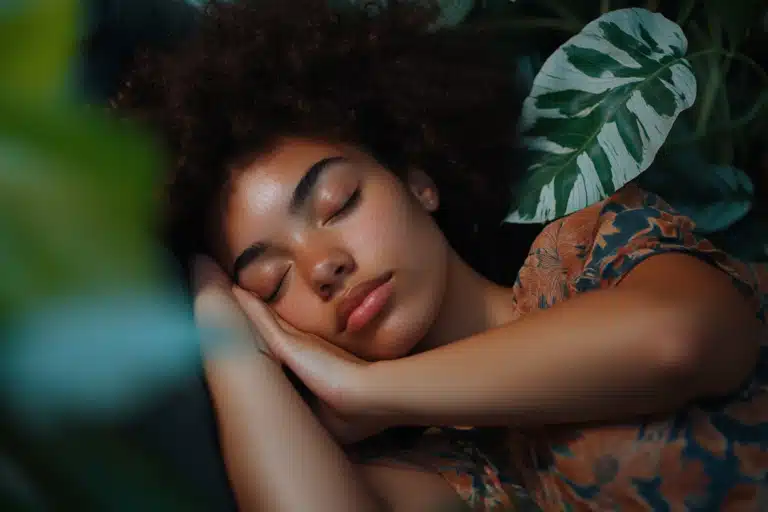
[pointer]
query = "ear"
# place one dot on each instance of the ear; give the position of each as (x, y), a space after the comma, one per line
(423, 189)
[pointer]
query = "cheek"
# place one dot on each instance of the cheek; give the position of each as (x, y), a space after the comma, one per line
(383, 228)
(304, 310)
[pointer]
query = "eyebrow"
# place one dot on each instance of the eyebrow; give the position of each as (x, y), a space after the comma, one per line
(301, 194)
(307, 182)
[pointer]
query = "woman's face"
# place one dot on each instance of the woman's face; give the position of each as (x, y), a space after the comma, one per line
(338, 246)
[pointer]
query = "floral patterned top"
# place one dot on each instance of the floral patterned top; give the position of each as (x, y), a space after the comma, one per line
(708, 456)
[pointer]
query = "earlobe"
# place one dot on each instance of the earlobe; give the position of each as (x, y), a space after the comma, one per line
(424, 189)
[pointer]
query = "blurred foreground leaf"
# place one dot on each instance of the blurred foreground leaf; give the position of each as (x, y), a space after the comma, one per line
(96, 359)
(37, 46)
(75, 205)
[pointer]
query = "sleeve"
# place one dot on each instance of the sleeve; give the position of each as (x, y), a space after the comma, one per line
(455, 454)
(634, 225)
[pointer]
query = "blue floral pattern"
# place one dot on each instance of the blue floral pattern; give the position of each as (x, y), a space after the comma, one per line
(709, 456)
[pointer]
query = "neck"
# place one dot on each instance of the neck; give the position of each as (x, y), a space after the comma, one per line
(471, 304)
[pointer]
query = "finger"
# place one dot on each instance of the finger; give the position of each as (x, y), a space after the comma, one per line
(329, 372)
(264, 321)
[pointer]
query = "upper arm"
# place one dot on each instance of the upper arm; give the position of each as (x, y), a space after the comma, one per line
(684, 279)
(718, 330)
(640, 243)
(232, 381)
(400, 487)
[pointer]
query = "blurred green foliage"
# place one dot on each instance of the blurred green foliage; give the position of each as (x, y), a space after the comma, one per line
(37, 45)
(76, 202)
(76, 188)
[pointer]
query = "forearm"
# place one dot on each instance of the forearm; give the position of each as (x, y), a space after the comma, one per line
(277, 455)
(602, 356)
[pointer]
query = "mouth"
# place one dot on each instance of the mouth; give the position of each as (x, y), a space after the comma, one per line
(363, 303)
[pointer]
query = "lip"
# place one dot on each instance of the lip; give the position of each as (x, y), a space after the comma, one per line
(363, 302)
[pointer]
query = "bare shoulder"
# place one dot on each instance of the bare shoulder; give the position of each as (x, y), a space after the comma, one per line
(404, 488)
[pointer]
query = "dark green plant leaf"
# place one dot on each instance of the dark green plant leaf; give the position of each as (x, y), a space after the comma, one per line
(453, 12)
(528, 66)
(713, 196)
(747, 239)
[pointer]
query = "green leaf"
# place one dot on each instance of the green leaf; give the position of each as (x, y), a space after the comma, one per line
(747, 239)
(453, 12)
(37, 47)
(713, 196)
(528, 67)
(76, 202)
(600, 109)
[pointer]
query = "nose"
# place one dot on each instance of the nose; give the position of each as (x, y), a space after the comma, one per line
(329, 271)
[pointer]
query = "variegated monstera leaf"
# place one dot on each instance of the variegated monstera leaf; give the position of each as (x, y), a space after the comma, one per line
(599, 110)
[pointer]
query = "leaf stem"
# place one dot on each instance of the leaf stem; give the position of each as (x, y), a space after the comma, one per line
(726, 150)
(685, 11)
(715, 78)
(711, 92)
(706, 108)
(715, 30)
(735, 56)
(739, 122)
(605, 6)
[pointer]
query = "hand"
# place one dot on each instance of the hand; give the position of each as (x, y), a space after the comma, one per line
(339, 380)
(216, 307)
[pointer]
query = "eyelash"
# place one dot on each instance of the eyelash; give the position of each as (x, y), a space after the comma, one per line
(346, 207)
(272, 298)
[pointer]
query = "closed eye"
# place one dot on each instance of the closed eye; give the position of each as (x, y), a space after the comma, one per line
(276, 293)
(348, 205)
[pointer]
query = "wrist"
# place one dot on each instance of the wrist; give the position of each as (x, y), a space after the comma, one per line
(380, 392)
(217, 310)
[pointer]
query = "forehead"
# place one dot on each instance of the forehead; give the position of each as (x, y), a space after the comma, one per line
(258, 183)
(289, 160)
(260, 191)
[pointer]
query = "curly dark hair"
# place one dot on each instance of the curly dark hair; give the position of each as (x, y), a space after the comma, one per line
(445, 101)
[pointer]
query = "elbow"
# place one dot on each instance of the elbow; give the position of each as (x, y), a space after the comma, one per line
(699, 358)
(678, 355)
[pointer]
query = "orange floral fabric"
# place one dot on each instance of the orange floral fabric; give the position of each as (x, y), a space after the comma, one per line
(709, 456)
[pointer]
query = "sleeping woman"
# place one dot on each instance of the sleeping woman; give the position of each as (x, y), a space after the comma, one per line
(336, 186)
